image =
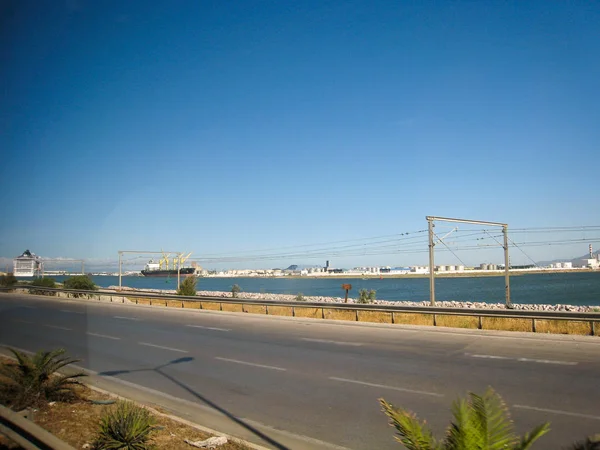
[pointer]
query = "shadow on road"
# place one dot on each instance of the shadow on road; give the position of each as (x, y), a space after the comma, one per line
(158, 369)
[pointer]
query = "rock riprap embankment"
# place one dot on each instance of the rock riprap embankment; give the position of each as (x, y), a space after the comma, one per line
(322, 299)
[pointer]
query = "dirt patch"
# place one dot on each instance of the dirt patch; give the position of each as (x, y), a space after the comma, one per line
(77, 422)
(174, 303)
(211, 306)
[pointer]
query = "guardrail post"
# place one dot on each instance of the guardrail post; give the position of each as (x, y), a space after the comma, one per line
(434, 321)
(533, 324)
(322, 313)
(479, 323)
(220, 306)
(267, 310)
(356, 315)
(293, 311)
(593, 327)
(393, 318)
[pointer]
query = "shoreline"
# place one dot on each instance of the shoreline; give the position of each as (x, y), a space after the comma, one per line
(324, 299)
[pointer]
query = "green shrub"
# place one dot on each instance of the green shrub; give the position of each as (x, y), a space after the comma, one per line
(32, 381)
(187, 287)
(300, 297)
(44, 282)
(125, 426)
(366, 296)
(80, 283)
(479, 423)
(8, 280)
(235, 290)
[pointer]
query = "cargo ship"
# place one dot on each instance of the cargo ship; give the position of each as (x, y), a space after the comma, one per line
(164, 268)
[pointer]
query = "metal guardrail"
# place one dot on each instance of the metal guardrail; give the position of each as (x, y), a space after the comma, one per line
(593, 318)
(27, 434)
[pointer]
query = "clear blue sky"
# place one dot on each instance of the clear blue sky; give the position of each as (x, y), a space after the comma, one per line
(216, 127)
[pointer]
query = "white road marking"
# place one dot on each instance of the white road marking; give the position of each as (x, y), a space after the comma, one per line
(126, 318)
(548, 361)
(22, 321)
(58, 328)
(71, 311)
(327, 341)
(557, 411)
(103, 336)
(163, 347)
(532, 360)
(383, 386)
(208, 328)
(488, 356)
(250, 364)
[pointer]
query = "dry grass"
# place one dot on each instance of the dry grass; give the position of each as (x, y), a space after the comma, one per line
(506, 324)
(454, 321)
(563, 327)
(374, 316)
(174, 303)
(340, 314)
(213, 306)
(314, 313)
(413, 319)
(255, 309)
(191, 305)
(232, 307)
(457, 321)
(281, 311)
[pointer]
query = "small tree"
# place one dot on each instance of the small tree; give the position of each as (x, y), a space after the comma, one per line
(125, 426)
(187, 287)
(300, 297)
(8, 280)
(235, 290)
(366, 296)
(479, 423)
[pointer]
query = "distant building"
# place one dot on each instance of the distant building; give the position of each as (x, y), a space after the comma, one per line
(27, 265)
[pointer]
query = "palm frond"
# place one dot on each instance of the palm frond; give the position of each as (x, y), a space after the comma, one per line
(460, 432)
(491, 420)
(413, 434)
(529, 438)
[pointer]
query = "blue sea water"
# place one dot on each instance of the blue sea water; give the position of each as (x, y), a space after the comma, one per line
(551, 288)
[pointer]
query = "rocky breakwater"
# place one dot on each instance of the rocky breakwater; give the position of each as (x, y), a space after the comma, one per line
(322, 299)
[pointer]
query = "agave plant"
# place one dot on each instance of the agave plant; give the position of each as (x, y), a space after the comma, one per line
(480, 422)
(126, 426)
(33, 380)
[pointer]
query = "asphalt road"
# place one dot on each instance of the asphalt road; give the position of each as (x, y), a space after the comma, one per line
(314, 384)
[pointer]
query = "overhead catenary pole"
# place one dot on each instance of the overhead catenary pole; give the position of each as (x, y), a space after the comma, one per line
(432, 219)
(506, 268)
(120, 253)
(179, 269)
(431, 263)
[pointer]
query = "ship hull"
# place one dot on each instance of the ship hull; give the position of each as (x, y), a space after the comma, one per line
(184, 272)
